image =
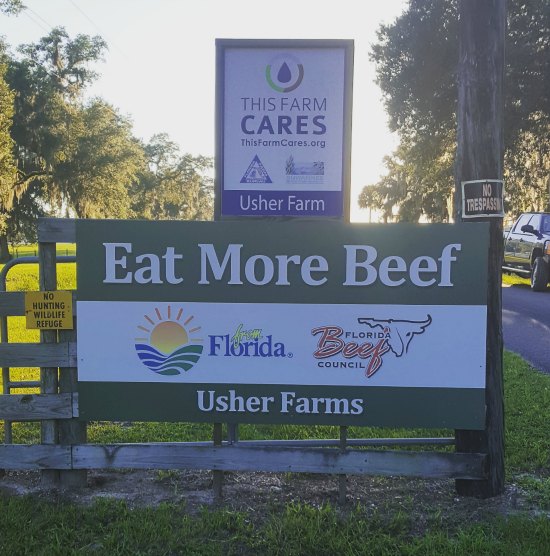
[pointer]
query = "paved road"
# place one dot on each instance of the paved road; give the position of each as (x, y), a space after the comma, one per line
(526, 324)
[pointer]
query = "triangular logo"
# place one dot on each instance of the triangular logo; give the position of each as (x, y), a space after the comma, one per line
(256, 173)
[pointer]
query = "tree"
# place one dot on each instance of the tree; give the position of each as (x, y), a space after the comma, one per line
(48, 80)
(80, 158)
(173, 185)
(8, 168)
(11, 7)
(415, 185)
(62, 64)
(416, 59)
(103, 161)
(21, 220)
(527, 170)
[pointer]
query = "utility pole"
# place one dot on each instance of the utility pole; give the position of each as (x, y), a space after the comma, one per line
(480, 153)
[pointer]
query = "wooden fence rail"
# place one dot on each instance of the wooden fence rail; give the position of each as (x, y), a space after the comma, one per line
(35, 407)
(13, 304)
(240, 458)
(308, 460)
(38, 355)
(34, 456)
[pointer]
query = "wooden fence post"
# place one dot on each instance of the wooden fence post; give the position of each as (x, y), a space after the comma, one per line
(217, 476)
(48, 375)
(342, 479)
(480, 154)
(71, 431)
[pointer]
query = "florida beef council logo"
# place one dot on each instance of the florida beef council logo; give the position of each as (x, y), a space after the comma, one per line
(168, 343)
(366, 348)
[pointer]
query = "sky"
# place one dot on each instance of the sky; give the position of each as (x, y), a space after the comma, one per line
(160, 66)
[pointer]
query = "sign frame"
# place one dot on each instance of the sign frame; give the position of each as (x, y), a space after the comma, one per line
(286, 326)
(222, 45)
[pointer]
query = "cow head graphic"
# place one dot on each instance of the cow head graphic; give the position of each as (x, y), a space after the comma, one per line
(400, 332)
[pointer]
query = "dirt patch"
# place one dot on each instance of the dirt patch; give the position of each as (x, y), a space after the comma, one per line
(422, 502)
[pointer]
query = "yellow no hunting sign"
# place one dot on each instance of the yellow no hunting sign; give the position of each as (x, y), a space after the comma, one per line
(52, 310)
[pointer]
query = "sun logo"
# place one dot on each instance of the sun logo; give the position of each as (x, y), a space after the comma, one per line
(167, 345)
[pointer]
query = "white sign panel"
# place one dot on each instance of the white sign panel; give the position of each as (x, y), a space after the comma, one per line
(283, 127)
(240, 343)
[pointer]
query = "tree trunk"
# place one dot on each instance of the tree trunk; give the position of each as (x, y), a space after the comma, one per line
(4, 249)
(480, 155)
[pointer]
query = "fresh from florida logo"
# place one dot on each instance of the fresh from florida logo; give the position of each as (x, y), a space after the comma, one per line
(168, 342)
(366, 348)
(246, 342)
(284, 73)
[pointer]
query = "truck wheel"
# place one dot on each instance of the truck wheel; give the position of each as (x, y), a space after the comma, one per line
(539, 275)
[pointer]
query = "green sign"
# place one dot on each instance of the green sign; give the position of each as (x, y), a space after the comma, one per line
(301, 322)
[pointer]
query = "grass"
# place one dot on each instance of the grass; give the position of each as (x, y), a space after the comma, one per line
(527, 412)
(538, 489)
(109, 527)
(515, 280)
(33, 526)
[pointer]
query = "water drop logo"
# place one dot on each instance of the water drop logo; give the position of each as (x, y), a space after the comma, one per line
(167, 344)
(284, 73)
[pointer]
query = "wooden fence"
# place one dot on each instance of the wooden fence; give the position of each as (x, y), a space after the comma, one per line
(63, 454)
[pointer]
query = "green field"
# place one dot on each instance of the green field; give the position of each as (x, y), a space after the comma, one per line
(34, 526)
(31, 250)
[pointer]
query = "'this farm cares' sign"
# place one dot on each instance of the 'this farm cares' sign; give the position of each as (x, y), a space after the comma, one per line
(283, 127)
(301, 322)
